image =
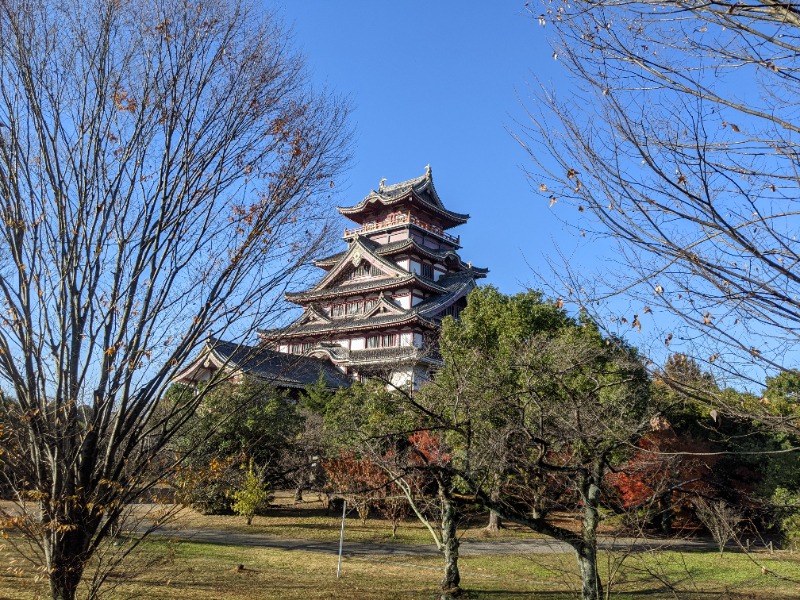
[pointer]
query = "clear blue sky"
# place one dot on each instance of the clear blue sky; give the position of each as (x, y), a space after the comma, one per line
(443, 83)
(440, 83)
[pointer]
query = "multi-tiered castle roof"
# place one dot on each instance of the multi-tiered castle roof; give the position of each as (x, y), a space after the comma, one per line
(381, 301)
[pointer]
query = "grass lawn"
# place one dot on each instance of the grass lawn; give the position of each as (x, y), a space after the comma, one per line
(192, 571)
(162, 569)
(309, 520)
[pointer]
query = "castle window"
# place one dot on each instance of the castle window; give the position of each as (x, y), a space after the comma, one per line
(386, 340)
(427, 270)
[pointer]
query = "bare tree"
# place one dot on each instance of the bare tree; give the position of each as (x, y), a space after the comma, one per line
(721, 519)
(678, 141)
(163, 172)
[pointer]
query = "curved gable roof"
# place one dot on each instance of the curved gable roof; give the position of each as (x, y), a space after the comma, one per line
(420, 189)
(280, 369)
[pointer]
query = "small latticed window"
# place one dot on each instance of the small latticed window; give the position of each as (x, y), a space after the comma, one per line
(386, 340)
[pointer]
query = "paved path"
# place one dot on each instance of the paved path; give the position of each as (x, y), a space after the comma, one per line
(467, 548)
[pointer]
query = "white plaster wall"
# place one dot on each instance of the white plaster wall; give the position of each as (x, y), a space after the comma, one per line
(284, 348)
(357, 344)
(404, 301)
(343, 343)
(401, 378)
(403, 263)
(406, 339)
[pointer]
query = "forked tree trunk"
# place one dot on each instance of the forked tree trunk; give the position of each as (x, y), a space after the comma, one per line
(65, 564)
(452, 578)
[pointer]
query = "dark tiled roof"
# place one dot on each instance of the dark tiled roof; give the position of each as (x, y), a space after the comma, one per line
(284, 370)
(453, 287)
(396, 247)
(420, 187)
(456, 286)
(352, 324)
(330, 261)
(383, 283)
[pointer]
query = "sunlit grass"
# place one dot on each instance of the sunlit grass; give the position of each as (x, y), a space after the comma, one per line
(192, 571)
(166, 569)
(310, 520)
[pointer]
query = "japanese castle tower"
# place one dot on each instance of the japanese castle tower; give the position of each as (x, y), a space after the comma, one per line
(378, 308)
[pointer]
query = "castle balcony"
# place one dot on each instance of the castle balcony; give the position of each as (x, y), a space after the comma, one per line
(385, 354)
(402, 219)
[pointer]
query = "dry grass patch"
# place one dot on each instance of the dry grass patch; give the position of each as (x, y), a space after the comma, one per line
(192, 571)
(311, 520)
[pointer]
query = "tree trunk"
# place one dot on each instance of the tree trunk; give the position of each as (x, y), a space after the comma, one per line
(65, 565)
(298, 494)
(495, 522)
(665, 510)
(68, 531)
(452, 578)
(590, 580)
(586, 550)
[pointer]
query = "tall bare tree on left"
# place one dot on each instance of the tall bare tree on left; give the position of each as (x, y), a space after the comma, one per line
(164, 167)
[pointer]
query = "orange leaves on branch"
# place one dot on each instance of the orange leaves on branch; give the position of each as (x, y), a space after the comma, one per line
(162, 29)
(430, 447)
(553, 200)
(123, 102)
